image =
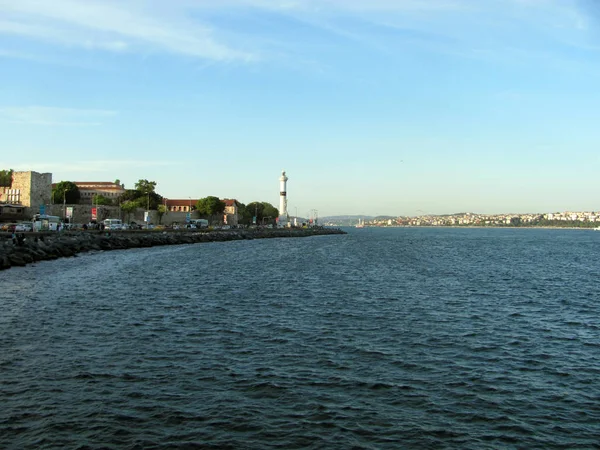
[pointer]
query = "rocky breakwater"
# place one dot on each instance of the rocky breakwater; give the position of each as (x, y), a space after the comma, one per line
(46, 246)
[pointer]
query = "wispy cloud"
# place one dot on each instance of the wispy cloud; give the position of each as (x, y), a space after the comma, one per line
(523, 32)
(226, 30)
(51, 116)
(115, 26)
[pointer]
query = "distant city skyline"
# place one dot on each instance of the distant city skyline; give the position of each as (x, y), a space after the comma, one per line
(373, 107)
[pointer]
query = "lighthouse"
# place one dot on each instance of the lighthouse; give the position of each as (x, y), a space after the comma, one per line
(283, 214)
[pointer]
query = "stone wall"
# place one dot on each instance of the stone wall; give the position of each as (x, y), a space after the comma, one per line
(40, 190)
(83, 213)
(30, 189)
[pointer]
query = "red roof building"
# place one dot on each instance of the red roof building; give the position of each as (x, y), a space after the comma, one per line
(175, 205)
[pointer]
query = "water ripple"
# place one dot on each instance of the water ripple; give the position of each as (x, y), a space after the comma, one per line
(398, 338)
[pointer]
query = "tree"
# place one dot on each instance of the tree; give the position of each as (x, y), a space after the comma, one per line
(6, 178)
(145, 186)
(210, 206)
(98, 199)
(270, 211)
(143, 195)
(161, 211)
(245, 214)
(129, 194)
(262, 210)
(256, 210)
(128, 207)
(66, 191)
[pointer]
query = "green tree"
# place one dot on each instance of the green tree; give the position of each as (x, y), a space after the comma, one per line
(66, 191)
(255, 209)
(6, 178)
(98, 199)
(161, 211)
(128, 207)
(210, 206)
(143, 195)
(265, 212)
(128, 195)
(270, 213)
(145, 186)
(245, 214)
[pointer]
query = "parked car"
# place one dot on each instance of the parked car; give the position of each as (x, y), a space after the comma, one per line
(24, 226)
(9, 227)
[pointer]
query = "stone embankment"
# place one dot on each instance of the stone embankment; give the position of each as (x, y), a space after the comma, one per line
(31, 247)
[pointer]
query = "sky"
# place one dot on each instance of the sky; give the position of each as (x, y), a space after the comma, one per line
(373, 107)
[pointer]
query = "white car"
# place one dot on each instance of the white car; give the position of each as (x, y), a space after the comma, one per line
(24, 226)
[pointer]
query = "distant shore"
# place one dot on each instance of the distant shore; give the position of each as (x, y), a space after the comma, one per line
(28, 248)
(540, 227)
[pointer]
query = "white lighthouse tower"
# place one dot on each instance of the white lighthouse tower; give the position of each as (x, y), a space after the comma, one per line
(283, 214)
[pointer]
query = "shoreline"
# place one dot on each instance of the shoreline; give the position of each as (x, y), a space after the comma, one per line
(44, 246)
(541, 227)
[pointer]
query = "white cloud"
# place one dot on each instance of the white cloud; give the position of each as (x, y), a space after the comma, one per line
(188, 27)
(44, 115)
(115, 26)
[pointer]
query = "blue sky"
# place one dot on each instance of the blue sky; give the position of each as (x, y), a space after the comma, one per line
(371, 106)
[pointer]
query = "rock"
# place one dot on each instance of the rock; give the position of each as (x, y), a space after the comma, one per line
(16, 260)
(45, 246)
(4, 263)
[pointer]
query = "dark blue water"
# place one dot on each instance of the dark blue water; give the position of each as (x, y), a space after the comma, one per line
(382, 338)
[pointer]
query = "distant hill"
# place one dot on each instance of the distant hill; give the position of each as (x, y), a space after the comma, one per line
(384, 217)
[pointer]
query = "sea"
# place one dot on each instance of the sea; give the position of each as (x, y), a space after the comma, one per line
(383, 338)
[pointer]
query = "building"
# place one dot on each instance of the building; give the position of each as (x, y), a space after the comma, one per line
(29, 190)
(88, 189)
(174, 205)
(231, 215)
(12, 213)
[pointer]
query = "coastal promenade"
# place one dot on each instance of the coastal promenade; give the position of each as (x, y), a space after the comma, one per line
(51, 245)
